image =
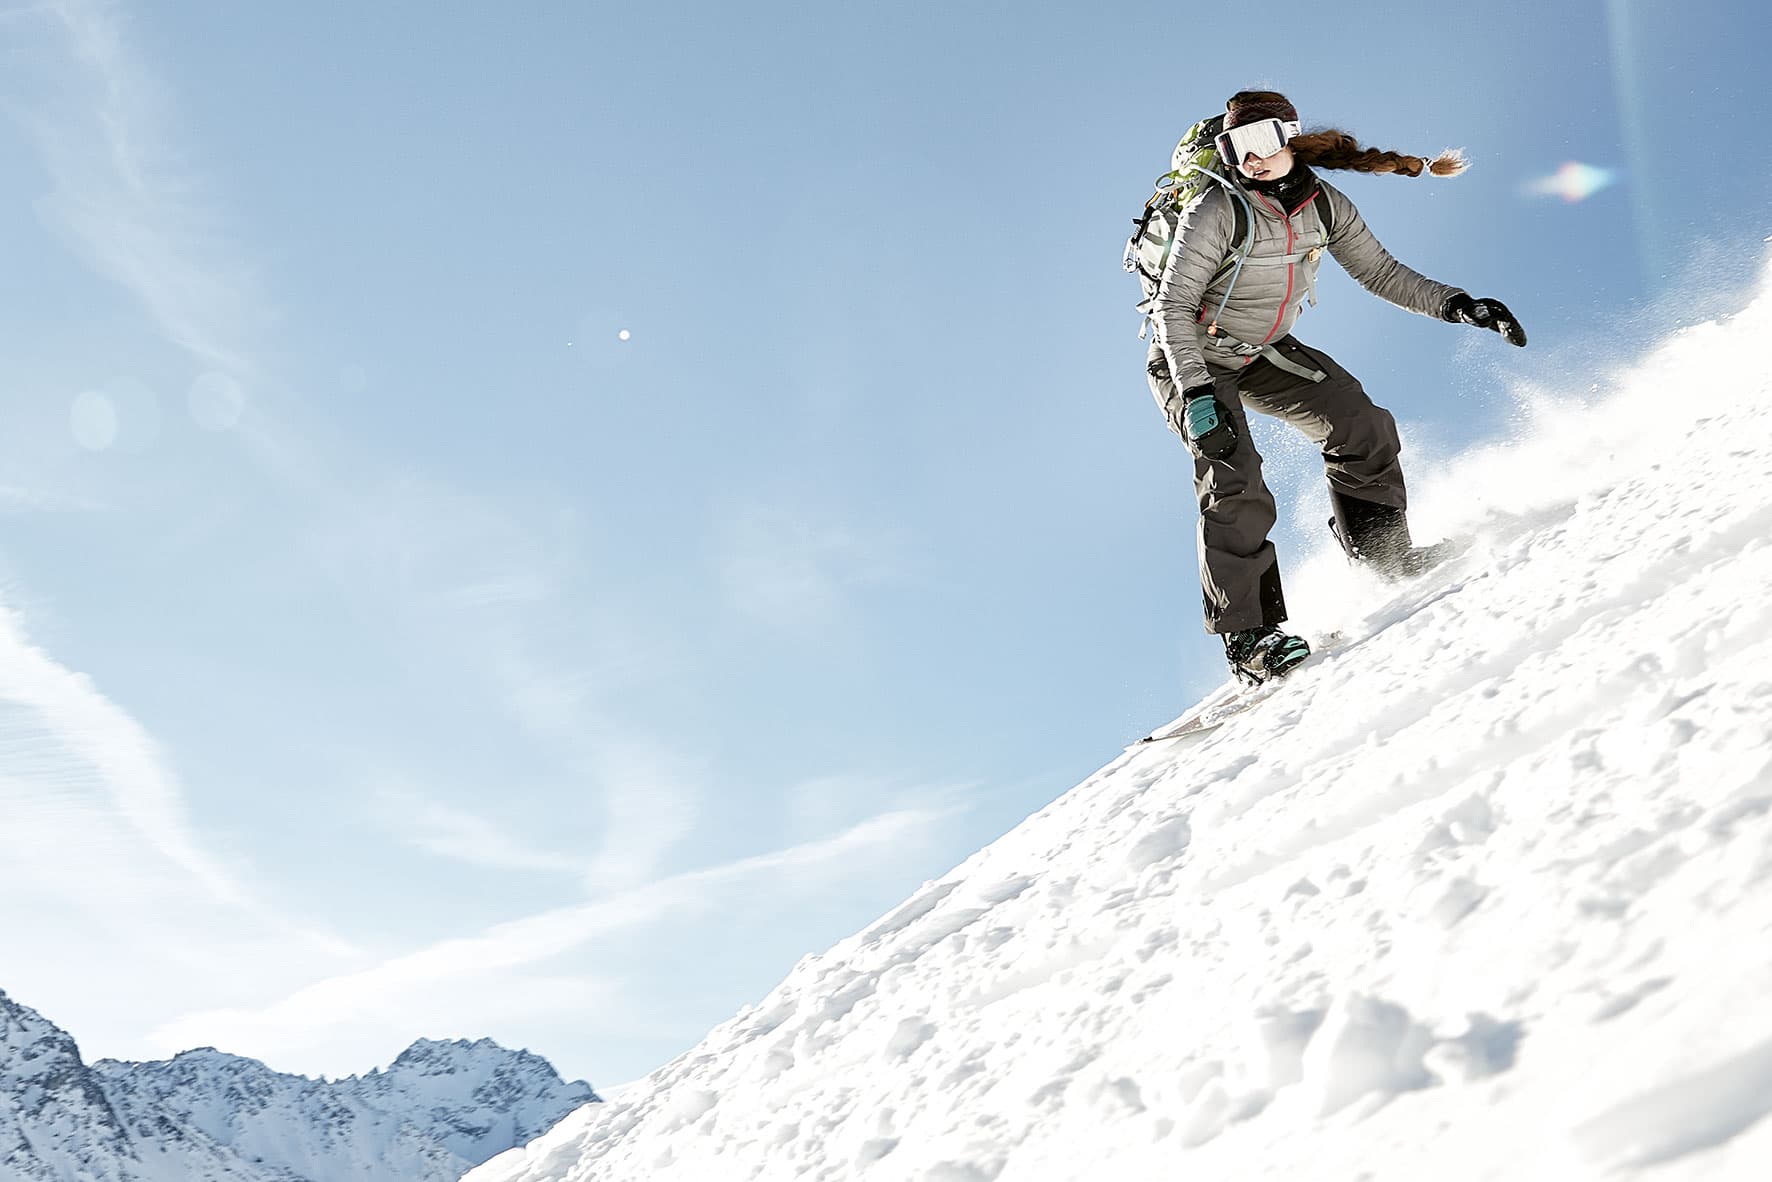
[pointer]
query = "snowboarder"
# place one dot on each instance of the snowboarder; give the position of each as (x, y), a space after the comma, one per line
(1223, 341)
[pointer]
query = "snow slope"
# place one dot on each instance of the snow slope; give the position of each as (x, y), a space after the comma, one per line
(1485, 895)
(441, 1108)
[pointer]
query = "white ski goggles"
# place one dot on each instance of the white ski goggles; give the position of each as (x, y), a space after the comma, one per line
(1261, 139)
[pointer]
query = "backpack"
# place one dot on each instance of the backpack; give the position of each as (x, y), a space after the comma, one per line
(1193, 169)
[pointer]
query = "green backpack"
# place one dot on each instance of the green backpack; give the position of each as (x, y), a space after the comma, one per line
(1193, 169)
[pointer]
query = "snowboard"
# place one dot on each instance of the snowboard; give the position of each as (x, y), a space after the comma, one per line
(1414, 591)
(1235, 698)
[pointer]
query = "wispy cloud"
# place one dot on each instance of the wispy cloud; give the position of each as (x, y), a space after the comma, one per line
(101, 865)
(497, 584)
(650, 802)
(123, 197)
(510, 602)
(829, 803)
(509, 956)
(74, 741)
(463, 836)
(129, 202)
(24, 499)
(648, 790)
(476, 578)
(795, 567)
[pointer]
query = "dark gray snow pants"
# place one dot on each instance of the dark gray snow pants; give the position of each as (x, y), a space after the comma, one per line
(1239, 570)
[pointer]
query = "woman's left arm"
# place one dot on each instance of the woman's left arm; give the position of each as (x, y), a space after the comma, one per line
(1376, 269)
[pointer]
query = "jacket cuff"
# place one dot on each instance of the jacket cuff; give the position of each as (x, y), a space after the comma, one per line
(1190, 372)
(1446, 312)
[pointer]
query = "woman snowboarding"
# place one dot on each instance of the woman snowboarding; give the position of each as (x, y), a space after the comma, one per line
(1223, 318)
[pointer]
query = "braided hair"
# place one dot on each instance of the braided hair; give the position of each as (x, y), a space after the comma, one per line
(1332, 148)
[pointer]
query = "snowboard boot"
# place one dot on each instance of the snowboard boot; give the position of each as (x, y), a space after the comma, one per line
(1263, 654)
(1377, 537)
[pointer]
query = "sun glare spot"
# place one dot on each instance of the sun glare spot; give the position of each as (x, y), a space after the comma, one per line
(1573, 182)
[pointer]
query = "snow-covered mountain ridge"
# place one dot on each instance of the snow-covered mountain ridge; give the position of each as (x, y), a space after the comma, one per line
(204, 1116)
(1486, 894)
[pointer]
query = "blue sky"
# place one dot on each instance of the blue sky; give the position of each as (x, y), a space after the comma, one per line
(390, 649)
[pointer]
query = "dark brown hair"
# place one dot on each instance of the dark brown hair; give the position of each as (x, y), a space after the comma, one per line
(1331, 148)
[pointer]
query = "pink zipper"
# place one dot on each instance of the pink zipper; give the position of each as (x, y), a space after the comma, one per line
(1290, 239)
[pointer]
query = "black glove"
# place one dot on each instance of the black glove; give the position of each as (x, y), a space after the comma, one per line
(1490, 314)
(1203, 422)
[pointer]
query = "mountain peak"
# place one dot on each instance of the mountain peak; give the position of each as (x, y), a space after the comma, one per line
(209, 1116)
(427, 1054)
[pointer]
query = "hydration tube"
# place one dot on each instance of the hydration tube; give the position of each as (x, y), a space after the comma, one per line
(1249, 209)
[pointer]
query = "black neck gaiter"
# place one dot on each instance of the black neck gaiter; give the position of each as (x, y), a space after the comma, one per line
(1288, 190)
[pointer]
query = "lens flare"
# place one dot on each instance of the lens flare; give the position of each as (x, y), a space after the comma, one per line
(1573, 182)
(94, 420)
(216, 401)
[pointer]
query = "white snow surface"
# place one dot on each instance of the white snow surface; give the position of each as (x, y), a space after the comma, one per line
(1485, 894)
(204, 1116)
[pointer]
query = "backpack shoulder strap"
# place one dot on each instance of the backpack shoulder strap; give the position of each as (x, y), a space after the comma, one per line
(1325, 211)
(1241, 232)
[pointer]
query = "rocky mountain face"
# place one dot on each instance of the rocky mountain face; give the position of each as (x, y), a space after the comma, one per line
(55, 1120)
(440, 1109)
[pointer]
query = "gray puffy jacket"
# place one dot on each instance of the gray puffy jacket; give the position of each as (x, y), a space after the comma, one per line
(1276, 281)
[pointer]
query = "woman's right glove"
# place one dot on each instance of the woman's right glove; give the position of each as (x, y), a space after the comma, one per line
(1201, 420)
(1490, 314)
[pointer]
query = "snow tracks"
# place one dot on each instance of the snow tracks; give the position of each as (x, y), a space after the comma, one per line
(1487, 894)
